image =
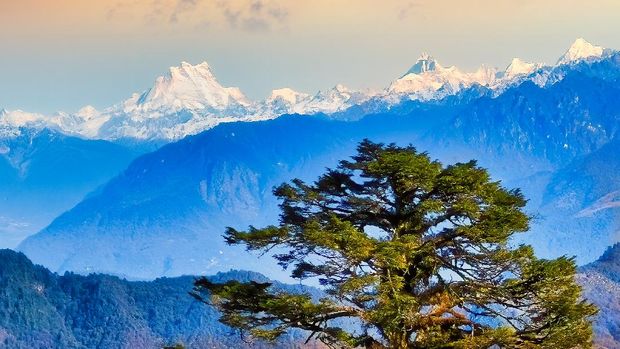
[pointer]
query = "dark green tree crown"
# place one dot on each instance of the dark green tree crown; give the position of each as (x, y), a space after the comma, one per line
(416, 251)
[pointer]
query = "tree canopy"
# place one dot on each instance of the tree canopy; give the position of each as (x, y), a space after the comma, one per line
(418, 253)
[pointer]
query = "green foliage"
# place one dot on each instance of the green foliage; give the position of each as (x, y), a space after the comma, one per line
(42, 310)
(418, 252)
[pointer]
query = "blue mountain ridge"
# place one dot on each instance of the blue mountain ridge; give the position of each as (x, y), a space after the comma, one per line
(164, 215)
(43, 173)
(182, 196)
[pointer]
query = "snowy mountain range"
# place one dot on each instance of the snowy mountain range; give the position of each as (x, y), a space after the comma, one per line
(164, 215)
(189, 99)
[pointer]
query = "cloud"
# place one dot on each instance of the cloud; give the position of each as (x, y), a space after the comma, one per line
(407, 9)
(154, 11)
(257, 6)
(246, 15)
(255, 24)
(254, 15)
(231, 16)
(119, 8)
(182, 7)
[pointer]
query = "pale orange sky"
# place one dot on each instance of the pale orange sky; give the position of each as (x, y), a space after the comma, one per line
(63, 54)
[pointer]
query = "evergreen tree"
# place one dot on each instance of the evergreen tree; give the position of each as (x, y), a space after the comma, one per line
(419, 253)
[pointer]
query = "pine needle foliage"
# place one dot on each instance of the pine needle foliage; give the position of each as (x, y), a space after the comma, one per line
(417, 252)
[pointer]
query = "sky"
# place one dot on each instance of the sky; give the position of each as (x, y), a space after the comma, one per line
(65, 54)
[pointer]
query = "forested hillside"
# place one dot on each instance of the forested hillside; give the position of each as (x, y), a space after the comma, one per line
(39, 309)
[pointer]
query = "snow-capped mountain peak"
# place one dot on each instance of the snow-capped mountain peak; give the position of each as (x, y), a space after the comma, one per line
(19, 118)
(485, 75)
(202, 70)
(12, 120)
(88, 112)
(424, 64)
(341, 88)
(335, 99)
(580, 50)
(286, 95)
(189, 87)
(189, 99)
(339, 91)
(519, 67)
(427, 79)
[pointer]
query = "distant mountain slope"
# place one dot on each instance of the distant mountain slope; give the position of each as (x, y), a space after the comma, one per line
(583, 185)
(581, 203)
(41, 310)
(601, 284)
(563, 140)
(165, 214)
(559, 122)
(43, 173)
